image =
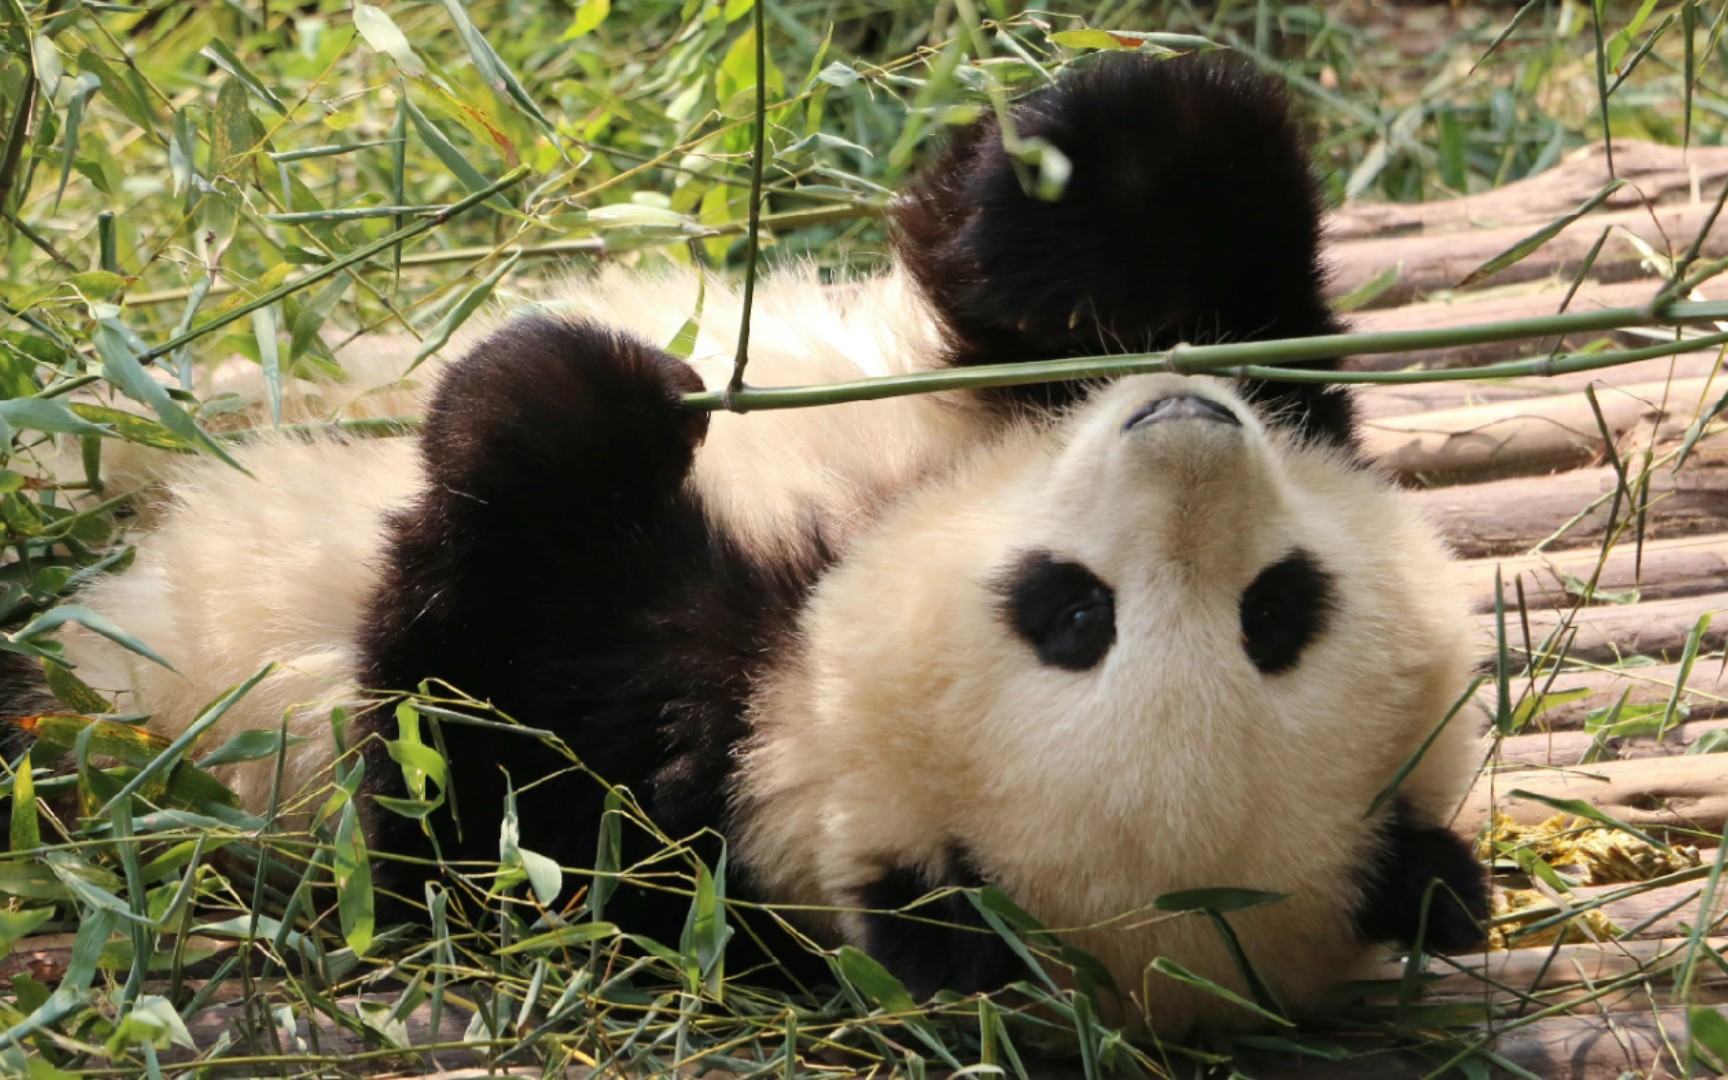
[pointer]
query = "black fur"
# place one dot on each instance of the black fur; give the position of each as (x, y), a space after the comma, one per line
(1061, 609)
(1283, 609)
(940, 945)
(1191, 214)
(1411, 855)
(23, 693)
(555, 566)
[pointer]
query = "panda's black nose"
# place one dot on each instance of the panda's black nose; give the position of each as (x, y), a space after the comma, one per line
(1182, 407)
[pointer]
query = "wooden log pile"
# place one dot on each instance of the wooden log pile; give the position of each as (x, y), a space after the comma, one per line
(1608, 559)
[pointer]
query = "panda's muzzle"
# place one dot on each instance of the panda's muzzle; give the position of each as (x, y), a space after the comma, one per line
(1182, 407)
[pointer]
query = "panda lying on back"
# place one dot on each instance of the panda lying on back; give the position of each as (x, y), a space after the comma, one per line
(1088, 643)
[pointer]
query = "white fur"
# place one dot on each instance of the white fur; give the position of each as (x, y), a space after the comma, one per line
(915, 719)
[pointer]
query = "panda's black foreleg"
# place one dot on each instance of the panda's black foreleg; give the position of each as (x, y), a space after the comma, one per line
(940, 945)
(1413, 857)
(524, 571)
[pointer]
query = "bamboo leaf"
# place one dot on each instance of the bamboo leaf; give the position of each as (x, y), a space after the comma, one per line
(562, 938)
(1707, 1027)
(53, 619)
(352, 871)
(382, 33)
(121, 366)
(44, 414)
(1166, 966)
(1535, 241)
(218, 53)
(589, 15)
(462, 310)
(1580, 808)
(118, 91)
(454, 160)
(254, 744)
(270, 356)
(26, 832)
(873, 980)
(1221, 901)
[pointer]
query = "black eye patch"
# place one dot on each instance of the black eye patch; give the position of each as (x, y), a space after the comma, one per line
(1060, 608)
(1284, 609)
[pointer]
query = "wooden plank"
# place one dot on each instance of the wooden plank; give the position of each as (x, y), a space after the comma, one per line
(1684, 793)
(1657, 628)
(1705, 694)
(1516, 438)
(1662, 174)
(1525, 300)
(1599, 1047)
(1567, 748)
(1529, 971)
(1394, 399)
(1668, 912)
(1661, 570)
(1508, 517)
(1602, 635)
(1429, 264)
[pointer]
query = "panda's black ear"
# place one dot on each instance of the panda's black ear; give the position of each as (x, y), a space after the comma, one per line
(1191, 213)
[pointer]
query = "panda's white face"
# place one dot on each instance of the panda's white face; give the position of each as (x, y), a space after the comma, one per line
(1159, 645)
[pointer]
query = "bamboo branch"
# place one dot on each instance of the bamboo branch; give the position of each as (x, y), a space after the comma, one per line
(1262, 359)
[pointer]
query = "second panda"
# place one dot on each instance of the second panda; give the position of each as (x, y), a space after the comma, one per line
(1091, 644)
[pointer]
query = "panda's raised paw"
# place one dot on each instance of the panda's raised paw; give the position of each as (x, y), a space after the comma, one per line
(1190, 213)
(545, 400)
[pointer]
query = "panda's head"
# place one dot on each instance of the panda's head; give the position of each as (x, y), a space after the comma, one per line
(1159, 642)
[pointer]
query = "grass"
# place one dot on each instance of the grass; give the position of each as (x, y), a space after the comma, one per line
(186, 182)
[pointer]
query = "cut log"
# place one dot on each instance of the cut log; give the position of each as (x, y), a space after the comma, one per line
(1668, 912)
(1663, 174)
(1431, 264)
(1392, 399)
(1517, 438)
(1564, 749)
(1525, 300)
(1603, 635)
(1528, 971)
(1599, 1047)
(1685, 794)
(1509, 517)
(1704, 696)
(1662, 570)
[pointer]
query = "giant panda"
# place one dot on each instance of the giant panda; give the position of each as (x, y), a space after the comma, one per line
(1090, 643)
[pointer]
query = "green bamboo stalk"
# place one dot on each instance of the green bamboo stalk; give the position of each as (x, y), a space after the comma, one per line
(1263, 359)
(358, 255)
(753, 227)
(1541, 366)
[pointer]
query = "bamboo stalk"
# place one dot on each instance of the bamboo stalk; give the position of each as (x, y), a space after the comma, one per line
(1261, 359)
